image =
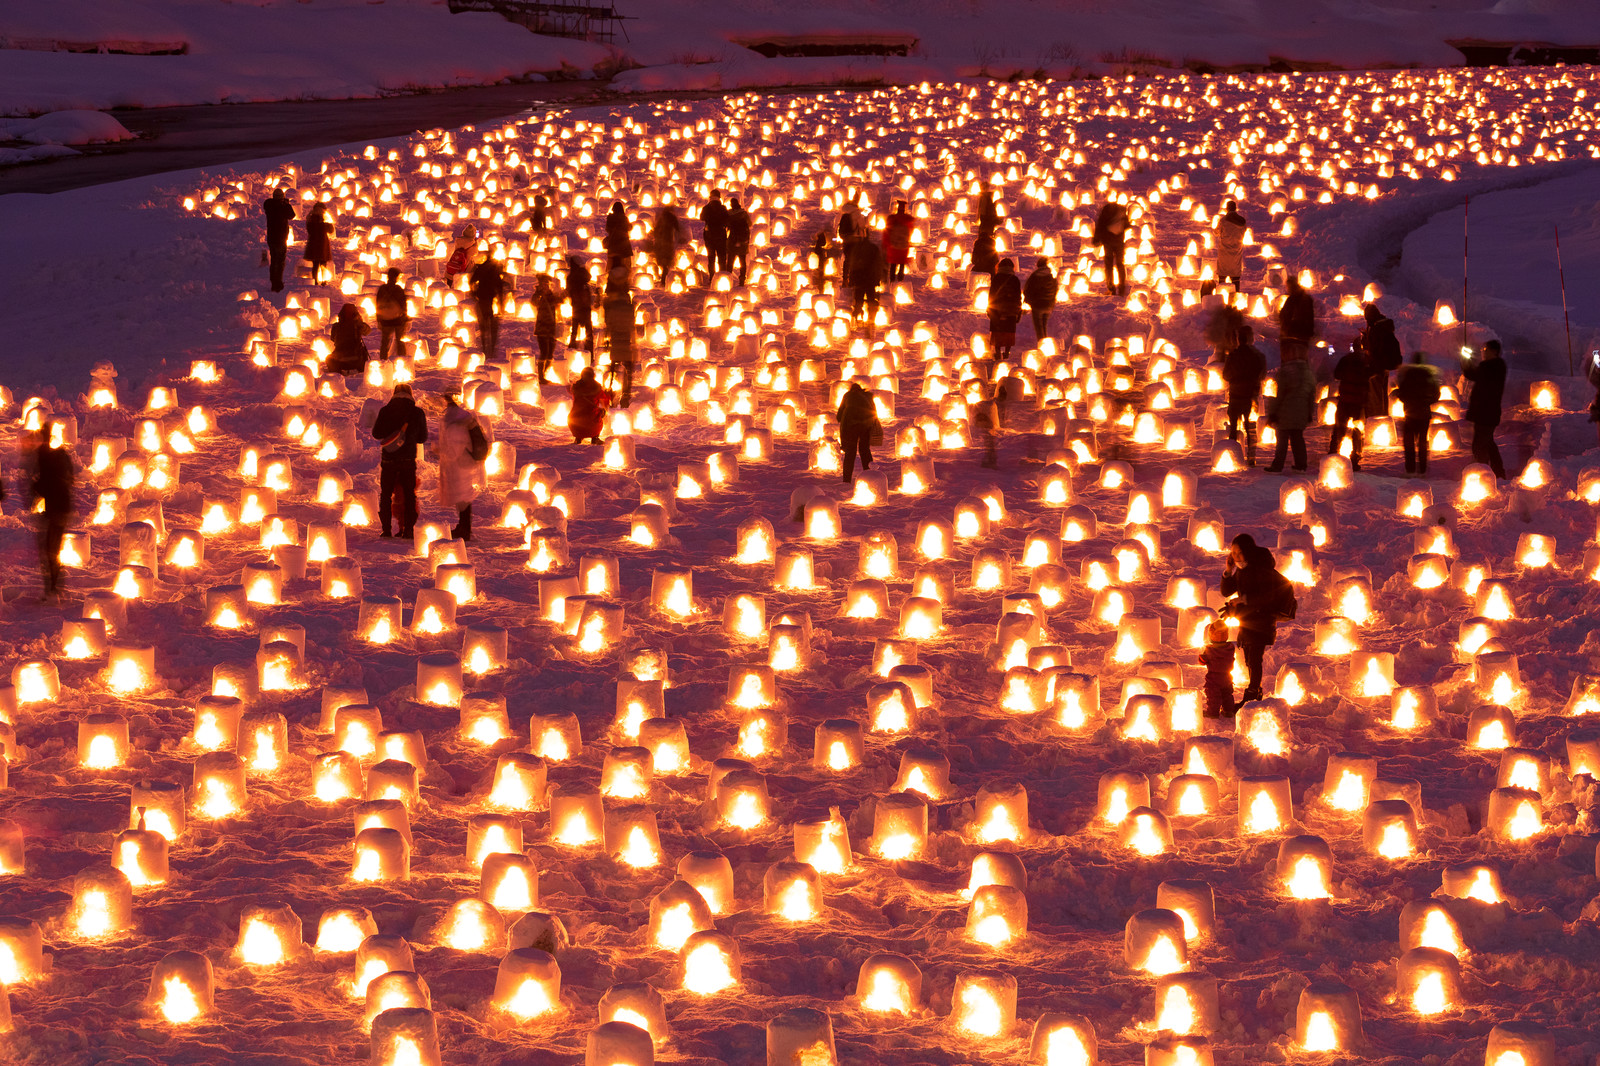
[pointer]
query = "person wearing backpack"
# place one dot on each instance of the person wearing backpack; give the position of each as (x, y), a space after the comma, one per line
(463, 446)
(1259, 597)
(399, 428)
(1417, 386)
(390, 304)
(1382, 351)
(1242, 369)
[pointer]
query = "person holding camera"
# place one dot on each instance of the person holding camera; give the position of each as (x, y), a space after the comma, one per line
(1488, 377)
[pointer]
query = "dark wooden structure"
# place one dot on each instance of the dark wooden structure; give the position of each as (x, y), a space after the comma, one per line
(587, 20)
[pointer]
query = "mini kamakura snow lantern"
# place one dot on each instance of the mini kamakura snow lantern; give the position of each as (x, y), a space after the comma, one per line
(792, 891)
(1305, 867)
(984, 1003)
(1428, 980)
(924, 772)
(1153, 942)
(103, 741)
(269, 935)
(1121, 792)
(677, 912)
(619, 1042)
(219, 784)
(997, 915)
(1520, 1044)
(1265, 805)
(527, 985)
(1185, 1004)
(381, 854)
(1328, 1017)
(1347, 782)
(900, 826)
(577, 818)
(181, 988)
(131, 667)
(711, 875)
(1000, 813)
(102, 903)
(1514, 813)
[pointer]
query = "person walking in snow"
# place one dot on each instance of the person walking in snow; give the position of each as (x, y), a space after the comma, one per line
(664, 242)
(618, 311)
(400, 429)
(1354, 379)
(51, 486)
(546, 307)
(582, 303)
(1005, 308)
(984, 256)
(589, 402)
(1242, 369)
(1417, 387)
(319, 244)
(488, 284)
(714, 219)
(279, 213)
(1230, 245)
(864, 264)
(1293, 407)
(1381, 349)
(897, 241)
(463, 446)
(857, 416)
(1259, 597)
(1297, 322)
(390, 304)
(738, 237)
(619, 237)
(1040, 294)
(540, 220)
(349, 356)
(1488, 377)
(1109, 228)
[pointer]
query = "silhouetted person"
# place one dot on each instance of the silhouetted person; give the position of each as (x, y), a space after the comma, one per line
(714, 219)
(540, 220)
(1260, 598)
(1354, 379)
(1040, 294)
(1488, 377)
(463, 446)
(390, 304)
(1417, 386)
(546, 308)
(279, 213)
(582, 303)
(1382, 351)
(52, 484)
(897, 241)
(1109, 229)
(1005, 308)
(864, 265)
(1242, 370)
(1230, 245)
(1297, 321)
(984, 257)
(857, 415)
(488, 283)
(589, 402)
(1293, 408)
(349, 356)
(399, 429)
(738, 237)
(618, 312)
(664, 241)
(619, 240)
(319, 244)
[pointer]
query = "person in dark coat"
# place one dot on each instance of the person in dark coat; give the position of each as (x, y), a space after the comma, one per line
(820, 253)
(1488, 377)
(390, 304)
(1005, 308)
(664, 241)
(988, 212)
(714, 217)
(1297, 321)
(984, 257)
(400, 429)
(1109, 229)
(488, 283)
(1382, 351)
(52, 484)
(1292, 408)
(589, 402)
(1243, 368)
(618, 311)
(857, 415)
(1256, 591)
(319, 244)
(619, 238)
(540, 220)
(1355, 382)
(1040, 293)
(897, 241)
(864, 264)
(1417, 386)
(349, 350)
(738, 237)
(582, 303)
(279, 213)
(546, 306)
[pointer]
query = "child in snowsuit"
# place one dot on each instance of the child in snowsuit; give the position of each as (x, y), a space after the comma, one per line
(1217, 658)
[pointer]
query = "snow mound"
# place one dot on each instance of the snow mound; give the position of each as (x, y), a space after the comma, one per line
(66, 127)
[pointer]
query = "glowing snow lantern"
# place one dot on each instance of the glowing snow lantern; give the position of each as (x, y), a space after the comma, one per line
(889, 984)
(1426, 924)
(1328, 1017)
(509, 882)
(182, 988)
(1000, 812)
(1265, 805)
(998, 915)
(219, 789)
(1520, 1044)
(102, 903)
(103, 741)
(1491, 728)
(1305, 867)
(381, 854)
(1472, 881)
(1514, 814)
(492, 834)
(742, 802)
(677, 912)
(1153, 942)
(577, 817)
(1389, 829)
(710, 963)
(1347, 782)
(527, 984)
(984, 1003)
(900, 826)
(710, 874)
(1121, 792)
(1064, 1040)
(269, 935)
(792, 891)
(341, 930)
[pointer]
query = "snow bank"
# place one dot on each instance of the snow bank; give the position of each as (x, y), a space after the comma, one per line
(275, 50)
(66, 127)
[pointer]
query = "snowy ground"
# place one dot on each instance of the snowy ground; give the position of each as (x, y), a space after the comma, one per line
(127, 273)
(335, 49)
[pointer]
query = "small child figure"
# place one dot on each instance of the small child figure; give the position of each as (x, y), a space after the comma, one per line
(1217, 658)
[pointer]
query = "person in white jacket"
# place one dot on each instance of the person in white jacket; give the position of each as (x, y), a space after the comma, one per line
(463, 446)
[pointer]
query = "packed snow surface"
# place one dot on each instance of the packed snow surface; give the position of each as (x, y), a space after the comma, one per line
(1113, 493)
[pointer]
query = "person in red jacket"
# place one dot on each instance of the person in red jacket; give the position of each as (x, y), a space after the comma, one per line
(589, 402)
(897, 241)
